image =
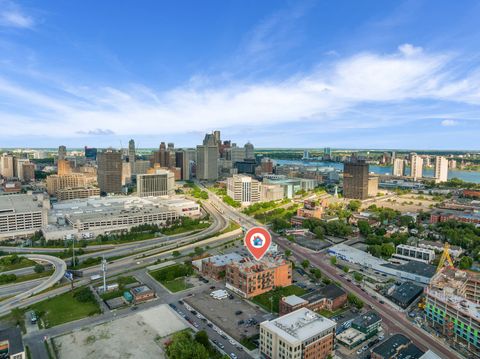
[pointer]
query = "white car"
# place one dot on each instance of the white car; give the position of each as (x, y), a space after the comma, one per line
(359, 351)
(233, 356)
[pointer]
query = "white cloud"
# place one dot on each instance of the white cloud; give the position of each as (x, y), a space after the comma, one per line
(449, 123)
(322, 96)
(12, 16)
(409, 49)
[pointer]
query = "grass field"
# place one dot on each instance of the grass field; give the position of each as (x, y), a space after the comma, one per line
(122, 282)
(22, 263)
(64, 308)
(173, 277)
(176, 285)
(264, 300)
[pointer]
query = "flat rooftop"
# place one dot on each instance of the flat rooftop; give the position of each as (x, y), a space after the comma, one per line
(398, 346)
(414, 267)
(367, 319)
(299, 325)
(14, 338)
(351, 336)
(406, 292)
(330, 291)
(294, 300)
(19, 203)
(267, 262)
(141, 289)
(224, 259)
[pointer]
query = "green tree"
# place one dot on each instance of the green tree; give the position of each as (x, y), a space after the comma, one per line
(387, 250)
(39, 268)
(319, 232)
(333, 260)
(465, 262)
(364, 227)
(354, 205)
(346, 269)
(288, 253)
(354, 300)
(358, 277)
(183, 346)
(202, 338)
(176, 253)
(305, 263)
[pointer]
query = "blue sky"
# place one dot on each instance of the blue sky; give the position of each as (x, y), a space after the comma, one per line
(350, 74)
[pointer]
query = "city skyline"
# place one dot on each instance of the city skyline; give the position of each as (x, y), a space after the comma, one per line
(308, 73)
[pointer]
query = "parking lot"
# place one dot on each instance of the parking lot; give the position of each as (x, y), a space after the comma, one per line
(234, 316)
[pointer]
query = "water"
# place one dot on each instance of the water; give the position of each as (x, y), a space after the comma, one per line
(467, 176)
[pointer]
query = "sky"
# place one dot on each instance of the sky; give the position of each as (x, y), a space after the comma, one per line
(306, 74)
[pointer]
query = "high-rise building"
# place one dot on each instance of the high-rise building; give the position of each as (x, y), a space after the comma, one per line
(109, 174)
(63, 167)
(18, 167)
(207, 159)
(441, 169)
(249, 151)
(243, 189)
(327, 153)
(126, 173)
(416, 166)
(452, 164)
(372, 185)
(299, 334)
(399, 167)
(392, 158)
(55, 182)
(158, 182)
(355, 179)
(235, 154)
(90, 153)
(6, 165)
(142, 166)
(62, 152)
(131, 155)
(28, 172)
(266, 165)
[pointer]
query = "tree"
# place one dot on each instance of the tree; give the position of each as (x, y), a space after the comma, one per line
(364, 227)
(316, 273)
(333, 260)
(345, 269)
(319, 232)
(305, 263)
(358, 277)
(387, 249)
(39, 268)
(202, 338)
(288, 253)
(176, 253)
(354, 300)
(183, 346)
(465, 262)
(354, 205)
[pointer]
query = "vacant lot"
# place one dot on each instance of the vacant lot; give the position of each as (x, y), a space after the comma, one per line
(174, 277)
(406, 203)
(140, 335)
(66, 307)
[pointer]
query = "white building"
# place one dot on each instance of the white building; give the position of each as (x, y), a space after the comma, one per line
(271, 192)
(299, 334)
(22, 215)
(399, 167)
(207, 159)
(441, 169)
(6, 165)
(243, 189)
(412, 253)
(416, 169)
(159, 183)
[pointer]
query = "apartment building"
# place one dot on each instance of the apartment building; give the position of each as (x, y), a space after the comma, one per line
(302, 334)
(250, 278)
(452, 306)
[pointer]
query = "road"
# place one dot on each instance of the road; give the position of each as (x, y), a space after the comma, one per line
(8, 290)
(393, 319)
(60, 268)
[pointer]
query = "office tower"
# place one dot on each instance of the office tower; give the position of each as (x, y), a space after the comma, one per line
(355, 179)
(160, 156)
(207, 159)
(28, 172)
(141, 166)
(299, 334)
(6, 165)
(249, 151)
(266, 165)
(327, 153)
(392, 158)
(131, 155)
(109, 174)
(235, 154)
(63, 167)
(18, 167)
(158, 182)
(126, 173)
(90, 153)
(62, 152)
(306, 155)
(243, 189)
(216, 135)
(372, 185)
(399, 167)
(441, 169)
(416, 163)
(170, 157)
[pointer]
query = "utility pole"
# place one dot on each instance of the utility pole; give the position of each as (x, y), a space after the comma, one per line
(104, 270)
(73, 252)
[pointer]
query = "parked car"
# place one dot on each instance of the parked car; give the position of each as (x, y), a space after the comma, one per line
(238, 312)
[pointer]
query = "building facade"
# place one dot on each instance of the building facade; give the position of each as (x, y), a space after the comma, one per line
(355, 179)
(441, 169)
(243, 189)
(207, 159)
(399, 167)
(109, 174)
(159, 182)
(416, 166)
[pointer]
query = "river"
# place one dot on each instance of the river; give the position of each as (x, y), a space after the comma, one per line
(467, 176)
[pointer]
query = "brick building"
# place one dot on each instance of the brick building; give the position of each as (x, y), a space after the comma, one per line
(251, 278)
(330, 297)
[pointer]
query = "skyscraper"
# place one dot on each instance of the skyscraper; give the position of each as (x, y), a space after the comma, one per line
(249, 151)
(90, 153)
(441, 169)
(416, 163)
(131, 155)
(109, 174)
(355, 179)
(62, 152)
(207, 159)
(158, 182)
(6, 165)
(399, 167)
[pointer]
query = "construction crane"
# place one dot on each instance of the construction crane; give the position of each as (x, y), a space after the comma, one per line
(445, 257)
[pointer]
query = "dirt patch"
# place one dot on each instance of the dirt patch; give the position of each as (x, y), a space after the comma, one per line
(140, 335)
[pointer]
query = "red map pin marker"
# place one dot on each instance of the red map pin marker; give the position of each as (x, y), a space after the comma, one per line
(257, 240)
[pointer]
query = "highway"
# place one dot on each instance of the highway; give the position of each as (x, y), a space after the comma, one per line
(60, 268)
(8, 290)
(393, 319)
